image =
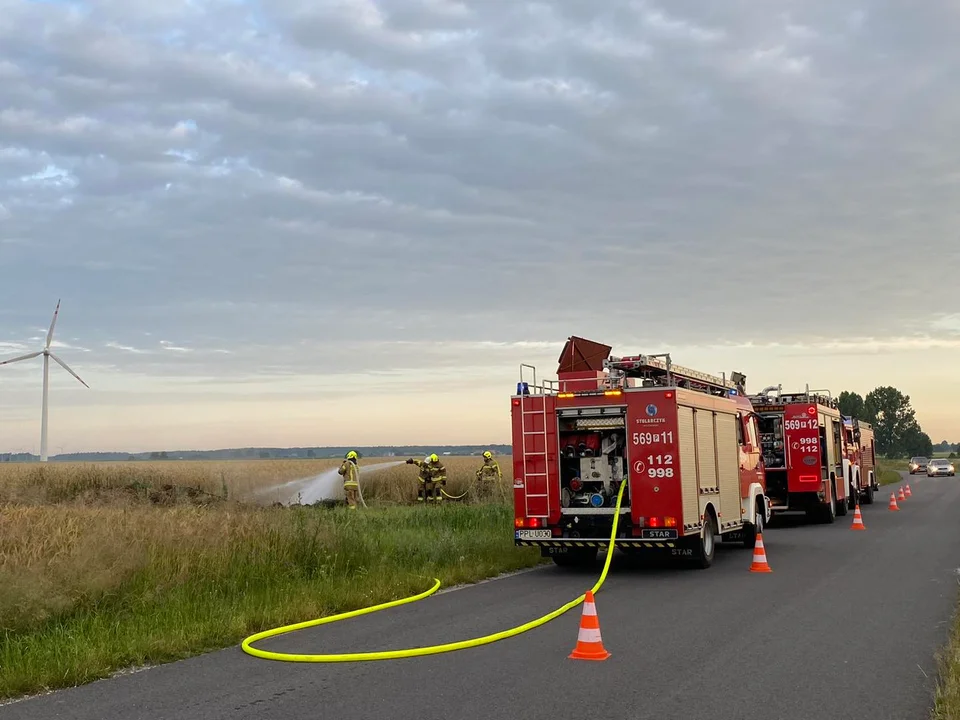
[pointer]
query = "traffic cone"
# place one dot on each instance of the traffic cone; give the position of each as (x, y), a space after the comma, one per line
(759, 563)
(907, 492)
(589, 643)
(900, 495)
(857, 519)
(893, 503)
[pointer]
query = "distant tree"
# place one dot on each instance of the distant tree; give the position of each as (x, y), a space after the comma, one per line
(952, 456)
(916, 442)
(311, 453)
(893, 419)
(851, 404)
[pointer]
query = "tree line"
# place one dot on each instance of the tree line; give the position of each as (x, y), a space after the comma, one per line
(894, 421)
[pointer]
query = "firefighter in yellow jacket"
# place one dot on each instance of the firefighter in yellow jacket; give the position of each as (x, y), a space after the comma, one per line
(350, 471)
(433, 476)
(486, 473)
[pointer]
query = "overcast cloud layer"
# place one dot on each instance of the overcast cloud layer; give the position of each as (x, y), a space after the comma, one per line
(272, 190)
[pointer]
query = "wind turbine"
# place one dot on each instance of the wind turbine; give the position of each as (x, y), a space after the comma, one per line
(47, 354)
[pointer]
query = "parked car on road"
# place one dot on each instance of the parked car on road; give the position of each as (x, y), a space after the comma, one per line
(918, 465)
(940, 467)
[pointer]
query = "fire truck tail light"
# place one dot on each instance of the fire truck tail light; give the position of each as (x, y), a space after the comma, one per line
(533, 522)
(668, 395)
(518, 522)
(516, 402)
(660, 522)
(809, 478)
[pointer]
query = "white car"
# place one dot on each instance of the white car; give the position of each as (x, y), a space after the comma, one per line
(940, 467)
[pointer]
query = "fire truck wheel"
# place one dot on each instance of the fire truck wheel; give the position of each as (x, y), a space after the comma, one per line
(842, 507)
(750, 531)
(868, 495)
(706, 547)
(830, 508)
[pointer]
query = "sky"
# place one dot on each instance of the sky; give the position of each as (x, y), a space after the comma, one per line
(297, 223)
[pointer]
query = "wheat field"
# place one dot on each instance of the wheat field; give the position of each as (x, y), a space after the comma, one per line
(107, 565)
(165, 482)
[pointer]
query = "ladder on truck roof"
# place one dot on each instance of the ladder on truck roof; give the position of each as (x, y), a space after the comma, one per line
(653, 371)
(531, 407)
(806, 396)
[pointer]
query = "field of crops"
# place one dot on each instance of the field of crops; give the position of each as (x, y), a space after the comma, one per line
(247, 481)
(110, 565)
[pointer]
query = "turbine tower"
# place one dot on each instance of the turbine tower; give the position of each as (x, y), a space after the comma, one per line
(47, 354)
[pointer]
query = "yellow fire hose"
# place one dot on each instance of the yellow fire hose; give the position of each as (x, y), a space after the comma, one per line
(454, 497)
(417, 652)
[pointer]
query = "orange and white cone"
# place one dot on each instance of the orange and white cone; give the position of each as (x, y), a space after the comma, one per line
(857, 519)
(759, 563)
(589, 643)
(893, 503)
(907, 492)
(900, 495)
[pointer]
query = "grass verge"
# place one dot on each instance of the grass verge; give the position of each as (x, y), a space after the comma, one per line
(889, 471)
(946, 705)
(180, 581)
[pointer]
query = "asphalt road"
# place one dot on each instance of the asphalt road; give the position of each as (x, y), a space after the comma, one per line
(846, 626)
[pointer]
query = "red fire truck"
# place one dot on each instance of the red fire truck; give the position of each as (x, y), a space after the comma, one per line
(860, 462)
(685, 442)
(803, 452)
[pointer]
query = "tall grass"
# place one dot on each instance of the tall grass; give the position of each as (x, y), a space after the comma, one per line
(200, 481)
(87, 591)
(108, 565)
(100, 482)
(947, 698)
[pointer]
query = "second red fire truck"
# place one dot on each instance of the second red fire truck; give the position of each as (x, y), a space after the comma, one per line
(816, 460)
(685, 442)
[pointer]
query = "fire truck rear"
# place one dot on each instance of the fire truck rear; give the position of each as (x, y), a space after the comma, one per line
(859, 446)
(685, 442)
(802, 439)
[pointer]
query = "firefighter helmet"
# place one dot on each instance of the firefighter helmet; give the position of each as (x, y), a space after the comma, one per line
(352, 455)
(487, 454)
(433, 458)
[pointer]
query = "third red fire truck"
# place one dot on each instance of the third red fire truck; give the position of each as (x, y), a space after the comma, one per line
(685, 442)
(860, 450)
(806, 465)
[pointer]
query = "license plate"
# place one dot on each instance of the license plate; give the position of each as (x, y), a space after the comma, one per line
(657, 534)
(534, 534)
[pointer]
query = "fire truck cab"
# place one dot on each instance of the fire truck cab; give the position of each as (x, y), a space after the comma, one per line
(861, 457)
(803, 452)
(685, 442)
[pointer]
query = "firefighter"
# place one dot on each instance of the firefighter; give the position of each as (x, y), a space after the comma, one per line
(433, 476)
(486, 473)
(350, 471)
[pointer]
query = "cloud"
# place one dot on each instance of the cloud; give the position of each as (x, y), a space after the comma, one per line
(335, 187)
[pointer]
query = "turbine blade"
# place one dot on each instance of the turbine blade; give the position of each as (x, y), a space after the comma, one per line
(67, 368)
(29, 356)
(52, 323)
